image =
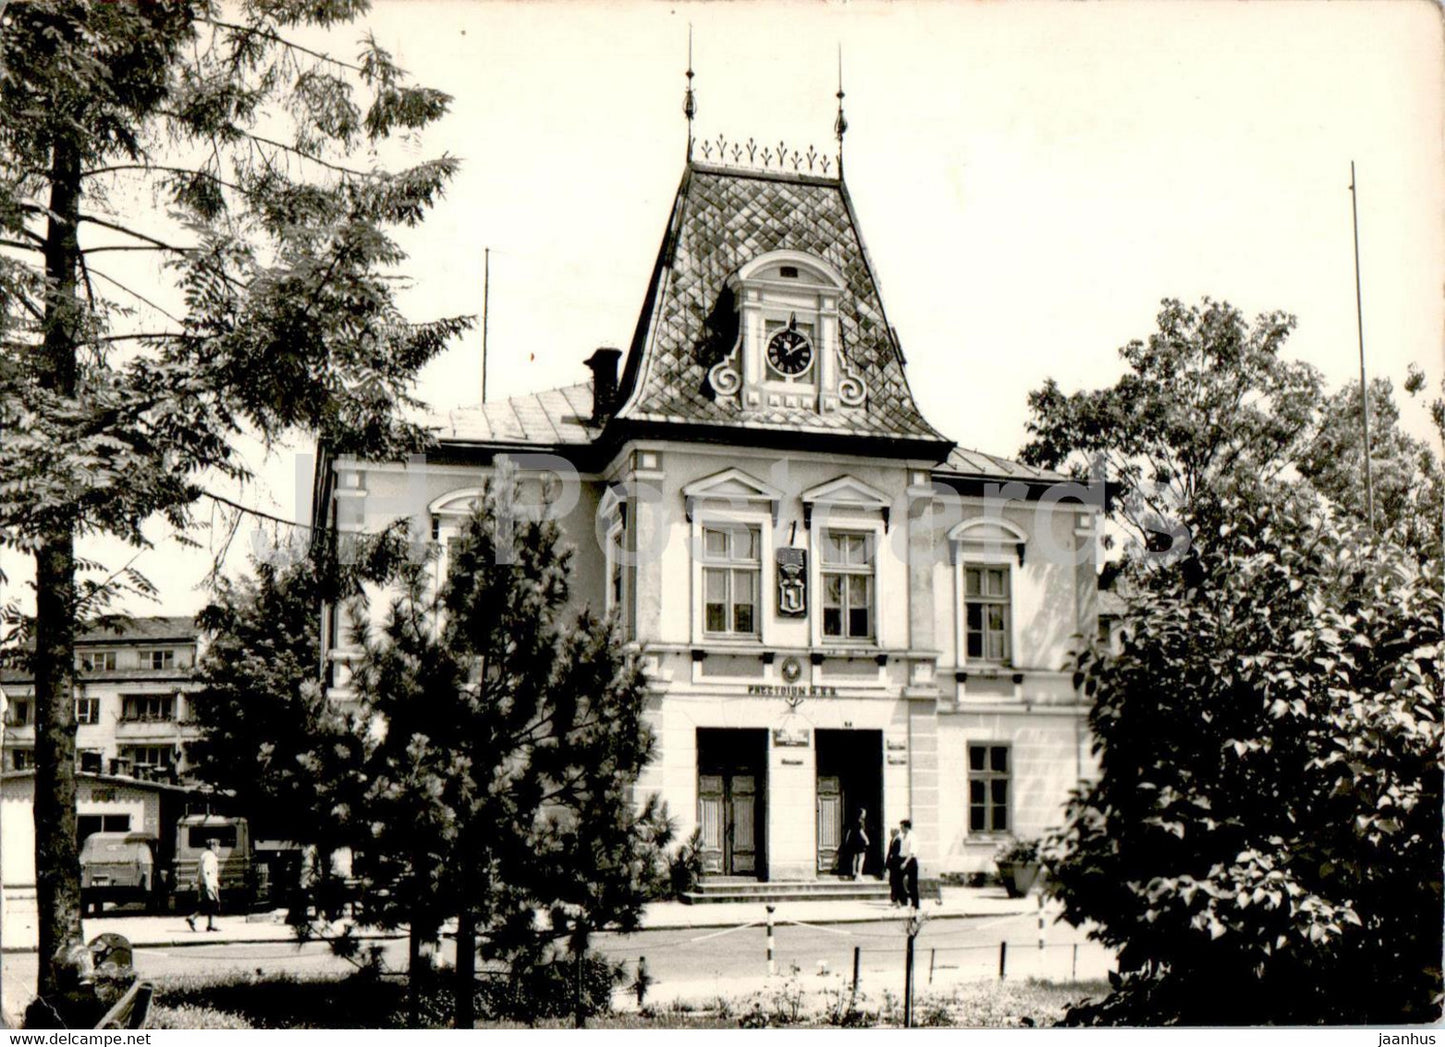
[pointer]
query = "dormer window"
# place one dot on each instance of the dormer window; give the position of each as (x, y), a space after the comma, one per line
(788, 353)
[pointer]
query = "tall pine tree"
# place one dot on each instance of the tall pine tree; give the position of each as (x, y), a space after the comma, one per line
(511, 737)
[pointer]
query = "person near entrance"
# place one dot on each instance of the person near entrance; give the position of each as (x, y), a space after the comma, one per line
(855, 845)
(908, 862)
(208, 887)
(895, 870)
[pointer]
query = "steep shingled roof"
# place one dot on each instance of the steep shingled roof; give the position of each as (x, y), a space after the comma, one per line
(723, 218)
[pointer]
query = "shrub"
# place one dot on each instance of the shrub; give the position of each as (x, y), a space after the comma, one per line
(547, 988)
(189, 1016)
(684, 867)
(1023, 850)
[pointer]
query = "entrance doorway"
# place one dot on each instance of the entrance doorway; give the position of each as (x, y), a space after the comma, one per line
(850, 779)
(732, 800)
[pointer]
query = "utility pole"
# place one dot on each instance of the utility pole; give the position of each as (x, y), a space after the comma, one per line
(486, 295)
(1360, 328)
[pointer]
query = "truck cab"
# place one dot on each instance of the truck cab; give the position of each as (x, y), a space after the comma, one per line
(118, 867)
(233, 848)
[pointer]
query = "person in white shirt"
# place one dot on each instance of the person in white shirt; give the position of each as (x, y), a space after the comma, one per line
(208, 887)
(908, 862)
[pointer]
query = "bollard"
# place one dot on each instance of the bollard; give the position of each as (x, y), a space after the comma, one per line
(1002, 959)
(1074, 971)
(772, 964)
(1041, 921)
(908, 984)
(857, 952)
(932, 954)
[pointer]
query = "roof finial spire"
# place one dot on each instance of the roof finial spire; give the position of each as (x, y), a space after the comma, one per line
(689, 103)
(840, 125)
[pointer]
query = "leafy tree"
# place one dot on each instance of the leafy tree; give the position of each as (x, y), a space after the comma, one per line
(269, 306)
(511, 738)
(1206, 397)
(1265, 834)
(1264, 842)
(1407, 479)
(1207, 404)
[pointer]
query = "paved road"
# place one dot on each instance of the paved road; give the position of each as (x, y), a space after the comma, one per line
(700, 962)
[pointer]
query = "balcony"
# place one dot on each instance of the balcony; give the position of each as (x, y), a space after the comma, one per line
(165, 728)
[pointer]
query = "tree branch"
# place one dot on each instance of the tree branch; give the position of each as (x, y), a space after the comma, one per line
(223, 500)
(131, 232)
(167, 169)
(266, 34)
(140, 297)
(303, 154)
(139, 336)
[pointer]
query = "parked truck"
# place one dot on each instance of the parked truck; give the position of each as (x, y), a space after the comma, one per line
(121, 868)
(244, 881)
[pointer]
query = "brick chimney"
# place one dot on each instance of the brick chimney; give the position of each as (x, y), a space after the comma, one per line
(604, 382)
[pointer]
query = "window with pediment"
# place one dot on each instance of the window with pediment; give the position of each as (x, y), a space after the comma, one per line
(986, 552)
(732, 515)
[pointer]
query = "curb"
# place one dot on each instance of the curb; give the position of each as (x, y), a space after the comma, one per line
(880, 918)
(189, 943)
(703, 924)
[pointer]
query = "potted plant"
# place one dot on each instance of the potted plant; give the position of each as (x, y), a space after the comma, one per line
(1018, 866)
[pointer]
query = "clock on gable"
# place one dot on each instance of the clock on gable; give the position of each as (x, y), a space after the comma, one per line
(789, 353)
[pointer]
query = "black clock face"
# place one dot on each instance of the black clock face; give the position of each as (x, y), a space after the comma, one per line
(790, 352)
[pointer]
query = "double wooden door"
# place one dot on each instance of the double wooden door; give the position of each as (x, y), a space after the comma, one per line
(728, 808)
(830, 821)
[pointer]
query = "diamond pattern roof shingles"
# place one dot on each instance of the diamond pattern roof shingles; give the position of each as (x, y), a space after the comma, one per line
(723, 219)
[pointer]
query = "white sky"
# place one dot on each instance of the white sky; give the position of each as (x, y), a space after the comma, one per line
(1030, 180)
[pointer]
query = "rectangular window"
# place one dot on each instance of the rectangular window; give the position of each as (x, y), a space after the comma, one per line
(158, 659)
(91, 761)
(145, 708)
(149, 755)
(20, 713)
(988, 788)
(96, 661)
(199, 835)
(621, 579)
(986, 607)
(731, 580)
(87, 710)
(848, 585)
(88, 824)
(22, 759)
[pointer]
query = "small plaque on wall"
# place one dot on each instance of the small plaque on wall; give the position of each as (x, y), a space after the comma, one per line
(897, 758)
(896, 745)
(792, 582)
(788, 737)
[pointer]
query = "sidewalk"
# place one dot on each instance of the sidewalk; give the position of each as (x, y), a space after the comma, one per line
(170, 930)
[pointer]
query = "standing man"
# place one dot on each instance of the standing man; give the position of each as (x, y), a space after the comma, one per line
(895, 872)
(208, 887)
(908, 862)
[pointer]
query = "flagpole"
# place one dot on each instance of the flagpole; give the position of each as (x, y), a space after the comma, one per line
(1360, 328)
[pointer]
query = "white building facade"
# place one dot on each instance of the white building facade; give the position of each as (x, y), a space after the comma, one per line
(838, 610)
(132, 709)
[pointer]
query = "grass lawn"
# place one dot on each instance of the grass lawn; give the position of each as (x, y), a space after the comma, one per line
(283, 1002)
